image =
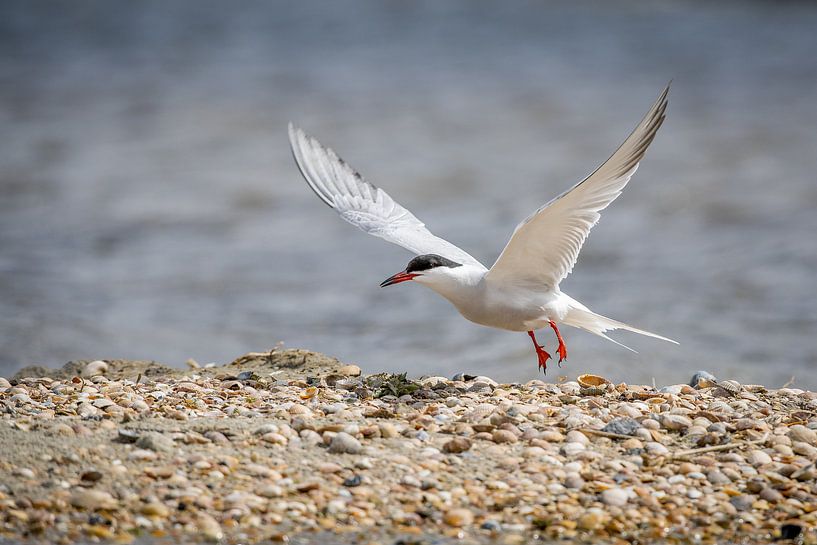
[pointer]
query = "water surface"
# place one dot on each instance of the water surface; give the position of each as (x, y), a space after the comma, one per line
(150, 207)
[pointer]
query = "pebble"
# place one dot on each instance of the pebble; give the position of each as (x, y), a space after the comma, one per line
(575, 436)
(458, 518)
(615, 497)
(770, 495)
(758, 458)
(457, 445)
(92, 500)
(504, 436)
(802, 434)
(743, 502)
(157, 442)
(342, 442)
(95, 368)
(572, 449)
(622, 426)
(388, 430)
(593, 519)
(349, 371)
(209, 528)
(656, 449)
(675, 422)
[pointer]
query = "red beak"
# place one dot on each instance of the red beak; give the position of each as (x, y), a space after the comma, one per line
(397, 278)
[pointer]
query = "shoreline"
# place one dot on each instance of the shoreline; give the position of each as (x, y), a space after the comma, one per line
(294, 445)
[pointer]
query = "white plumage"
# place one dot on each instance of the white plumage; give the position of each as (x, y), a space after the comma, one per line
(521, 290)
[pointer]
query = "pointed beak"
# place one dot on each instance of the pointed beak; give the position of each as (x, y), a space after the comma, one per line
(397, 278)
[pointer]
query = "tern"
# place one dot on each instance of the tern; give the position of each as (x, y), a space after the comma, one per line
(520, 292)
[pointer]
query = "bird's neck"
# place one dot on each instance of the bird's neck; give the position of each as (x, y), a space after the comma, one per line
(460, 287)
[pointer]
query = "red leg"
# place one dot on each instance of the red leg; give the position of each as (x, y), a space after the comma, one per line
(562, 348)
(540, 353)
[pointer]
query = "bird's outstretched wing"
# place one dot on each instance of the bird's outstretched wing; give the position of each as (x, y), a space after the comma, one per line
(364, 205)
(544, 247)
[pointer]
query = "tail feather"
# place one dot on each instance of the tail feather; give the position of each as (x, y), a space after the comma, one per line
(580, 316)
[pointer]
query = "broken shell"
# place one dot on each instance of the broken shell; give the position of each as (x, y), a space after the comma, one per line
(703, 379)
(309, 393)
(589, 381)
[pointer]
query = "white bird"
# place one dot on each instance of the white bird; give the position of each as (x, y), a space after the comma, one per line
(520, 292)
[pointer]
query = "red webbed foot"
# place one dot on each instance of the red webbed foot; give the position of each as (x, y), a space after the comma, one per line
(540, 353)
(562, 350)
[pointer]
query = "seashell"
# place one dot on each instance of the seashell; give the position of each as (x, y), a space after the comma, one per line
(593, 385)
(703, 379)
(309, 393)
(589, 381)
(731, 386)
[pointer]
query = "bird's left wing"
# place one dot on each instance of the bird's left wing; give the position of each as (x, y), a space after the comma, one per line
(364, 205)
(544, 247)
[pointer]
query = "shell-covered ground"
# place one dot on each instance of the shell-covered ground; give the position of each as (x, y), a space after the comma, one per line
(293, 445)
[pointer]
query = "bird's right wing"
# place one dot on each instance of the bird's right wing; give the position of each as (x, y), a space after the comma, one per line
(362, 204)
(545, 246)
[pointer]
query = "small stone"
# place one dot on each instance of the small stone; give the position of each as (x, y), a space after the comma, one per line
(93, 500)
(572, 449)
(95, 368)
(675, 422)
(632, 444)
(551, 436)
(622, 426)
(156, 442)
(271, 491)
(274, 438)
(743, 502)
(342, 442)
(209, 528)
(155, 509)
(217, 437)
(574, 482)
(615, 497)
(656, 449)
(353, 481)
(142, 454)
(575, 436)
(804, 449)
(802, 434)
(91, 476)
(771, 495)
(24, 473)
(349, 371)
(503, 436)
(458, 518)
(457, 445)
(592, 520)
(329, 467)
(387, 430)
(758, 458)
(64, 429)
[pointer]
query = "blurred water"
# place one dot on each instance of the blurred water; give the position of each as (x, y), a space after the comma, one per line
(150, 207)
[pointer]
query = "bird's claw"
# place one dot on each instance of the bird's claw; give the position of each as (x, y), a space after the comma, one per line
(562, 350)
(543, 358)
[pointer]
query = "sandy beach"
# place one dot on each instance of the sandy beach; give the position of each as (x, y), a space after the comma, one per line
(291, 445)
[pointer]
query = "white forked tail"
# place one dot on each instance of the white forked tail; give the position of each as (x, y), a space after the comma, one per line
(582, 317)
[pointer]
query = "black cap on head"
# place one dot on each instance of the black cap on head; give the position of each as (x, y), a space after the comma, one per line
(430, 261)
